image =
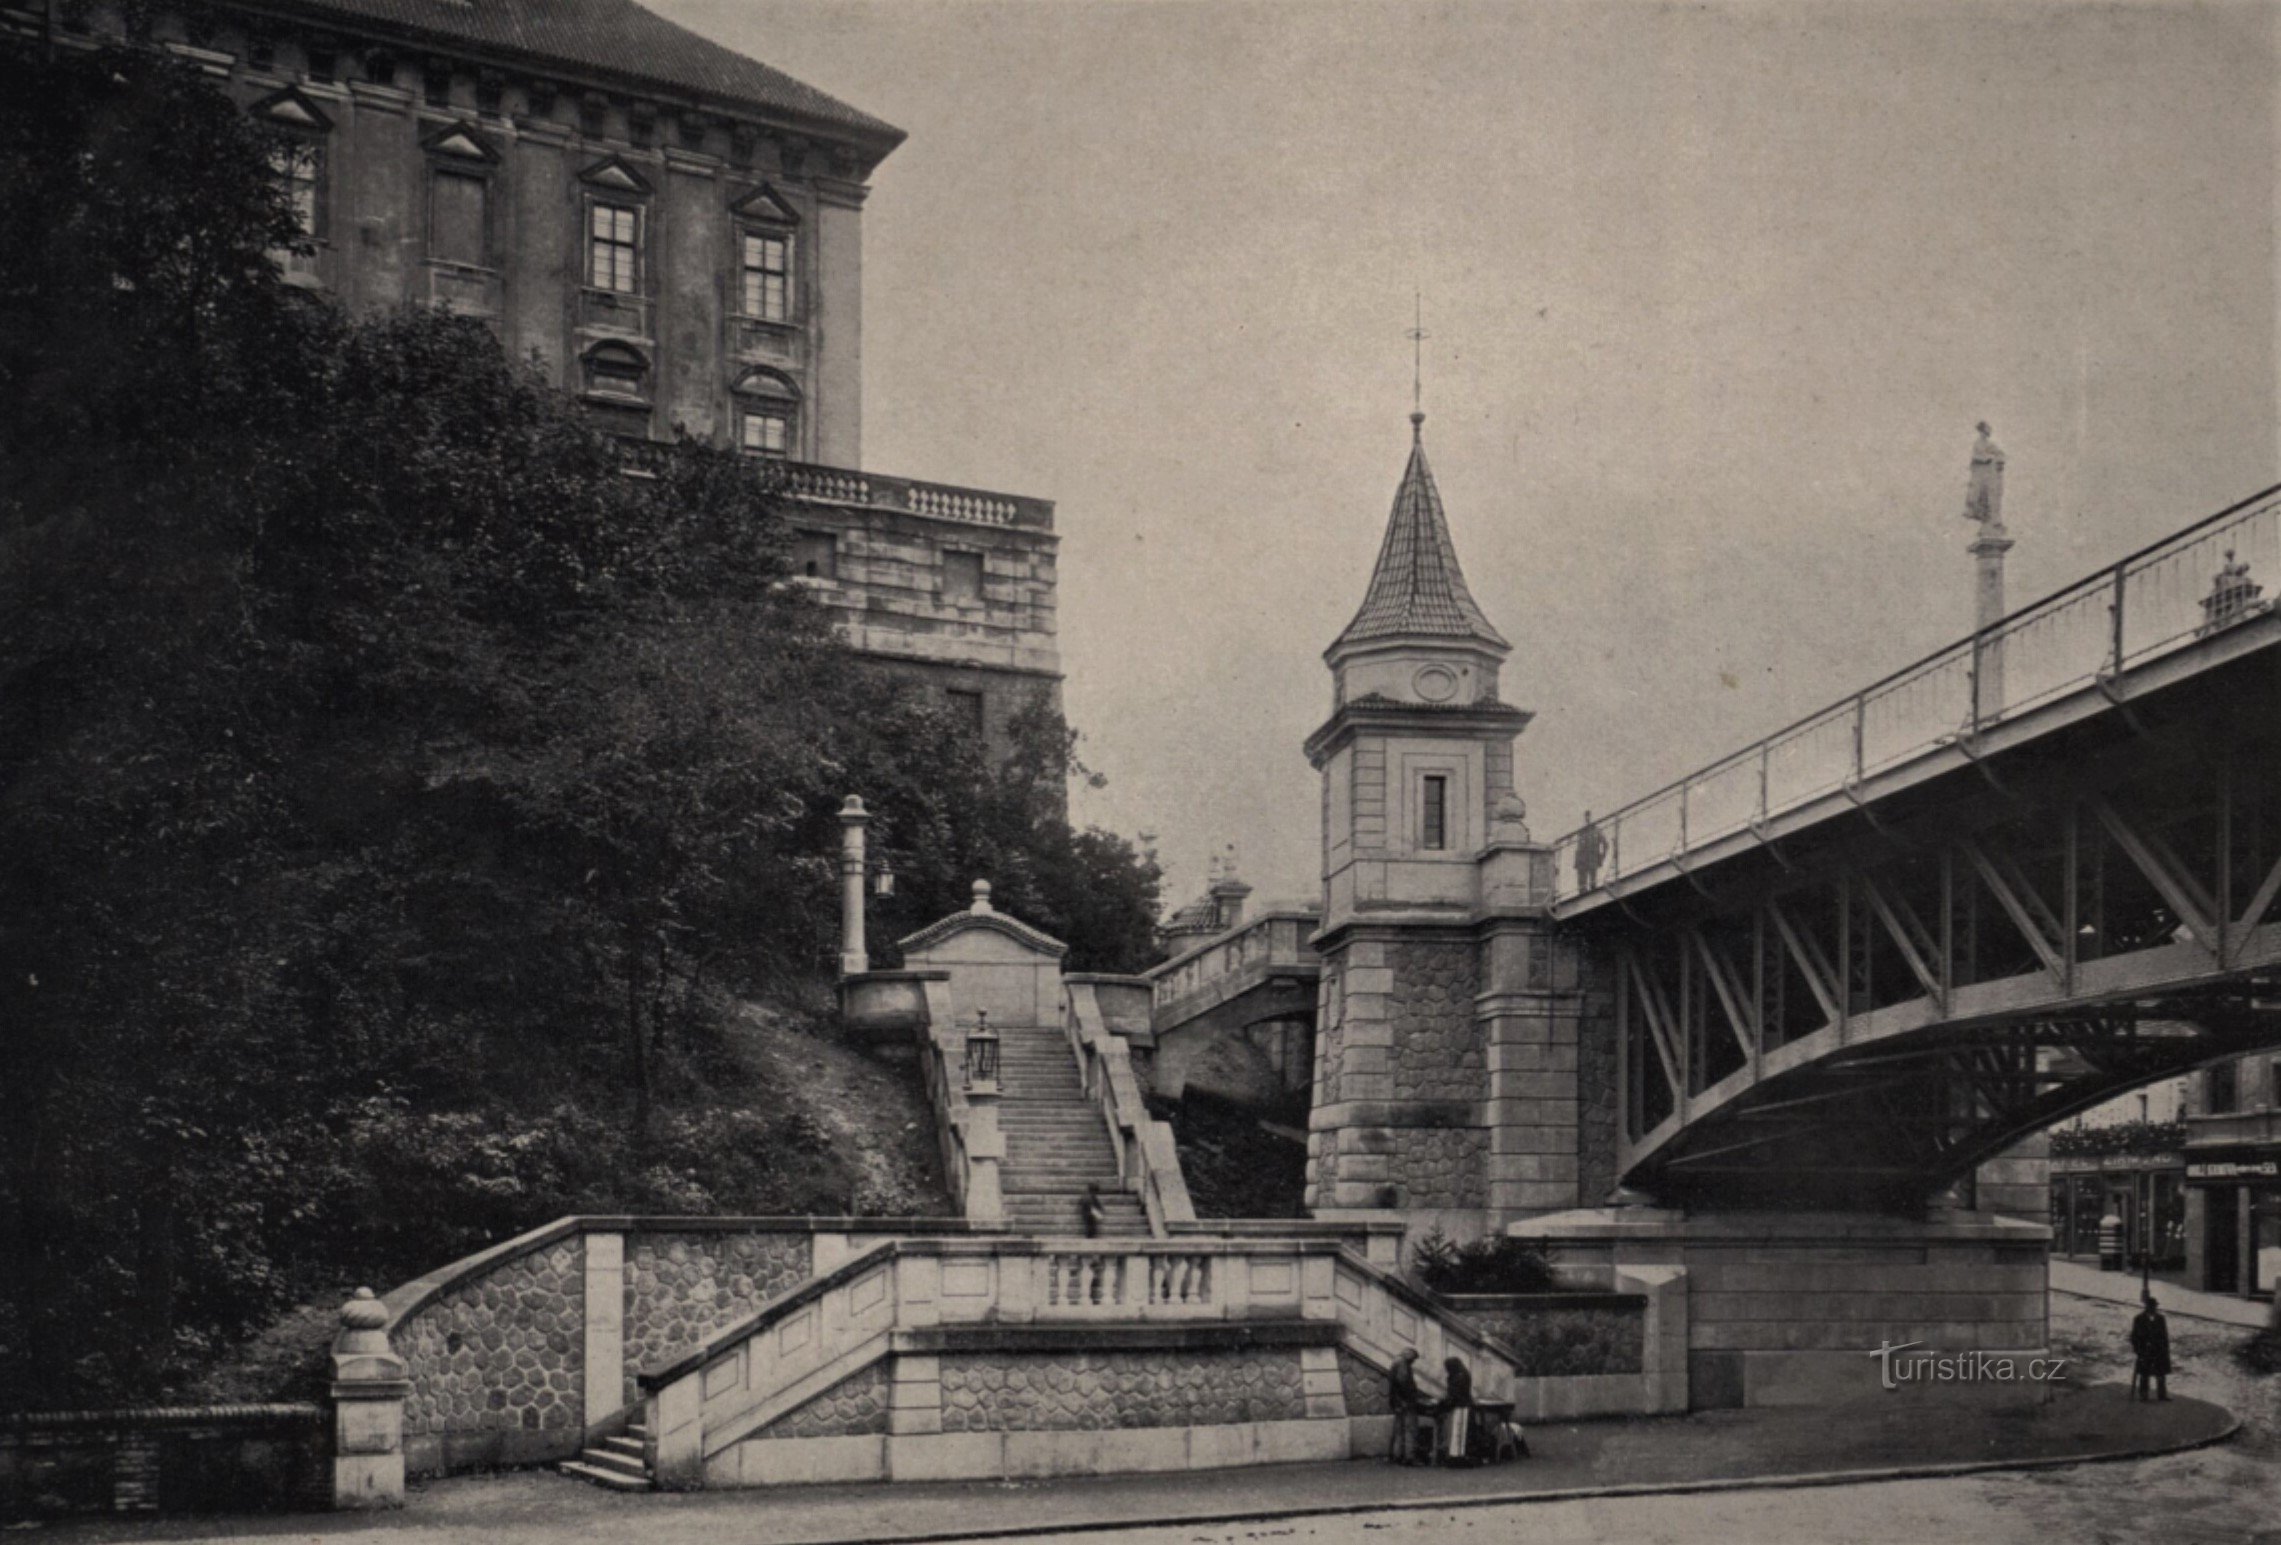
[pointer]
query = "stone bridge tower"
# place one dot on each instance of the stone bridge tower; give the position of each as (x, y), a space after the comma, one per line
(1446, 1051)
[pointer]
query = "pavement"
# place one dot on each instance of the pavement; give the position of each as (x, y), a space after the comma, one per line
(1866, 1440)
(2122, 1287)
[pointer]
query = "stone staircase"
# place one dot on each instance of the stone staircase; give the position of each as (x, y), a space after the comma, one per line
(620, 1463)
(1056, 1143)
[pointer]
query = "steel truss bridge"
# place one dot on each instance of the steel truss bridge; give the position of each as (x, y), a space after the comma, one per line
(2030, 872)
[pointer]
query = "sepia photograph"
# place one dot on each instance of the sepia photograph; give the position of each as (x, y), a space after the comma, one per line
(802, 772)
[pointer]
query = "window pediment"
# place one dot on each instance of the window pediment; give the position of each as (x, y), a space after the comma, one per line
(612, 175)
(765, 206)
(767, 384)
(290, 109)
(462, 142)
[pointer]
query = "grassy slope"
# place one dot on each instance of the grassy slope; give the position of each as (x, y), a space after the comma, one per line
(868, 1146)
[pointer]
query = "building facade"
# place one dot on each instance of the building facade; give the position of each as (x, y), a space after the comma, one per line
(2233, 1176)
(668, 230)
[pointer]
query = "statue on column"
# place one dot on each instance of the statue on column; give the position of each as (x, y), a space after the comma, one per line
(1984, 494)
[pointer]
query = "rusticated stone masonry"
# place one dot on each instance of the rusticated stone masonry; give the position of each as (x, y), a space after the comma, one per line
(680, 1288)
(1092, 1391)
(1437, 1046)
(854, 1407)
(1363, 1386)
(502, 1352)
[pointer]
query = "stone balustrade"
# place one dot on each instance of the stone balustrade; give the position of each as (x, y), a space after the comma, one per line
(1003, 1357)
(1148, 1164)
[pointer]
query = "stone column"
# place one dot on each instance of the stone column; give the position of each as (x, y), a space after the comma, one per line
(1988, 609)
(855, 954)
(369, 1386)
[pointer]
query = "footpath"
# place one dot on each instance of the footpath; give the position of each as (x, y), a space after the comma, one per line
(2122, 1287)
(1867, 1440)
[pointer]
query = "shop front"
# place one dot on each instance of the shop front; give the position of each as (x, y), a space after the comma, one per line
(2146, 1191)
(2233, 1222)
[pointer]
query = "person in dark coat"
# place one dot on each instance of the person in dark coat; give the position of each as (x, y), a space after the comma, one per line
(2150, 1341)
(1407, 1404)
(1457, 1412)
(1096, 1213)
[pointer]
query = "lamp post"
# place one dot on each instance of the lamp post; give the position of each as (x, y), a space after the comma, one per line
(855, 955)
(981, 1052)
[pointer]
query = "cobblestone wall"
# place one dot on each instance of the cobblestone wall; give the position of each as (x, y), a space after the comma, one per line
(505, 1351)
(1090, 1391)
(1437, 1045)
(1440, 1167)
(680, 1288)
(854, 1407)
(1363, 1386)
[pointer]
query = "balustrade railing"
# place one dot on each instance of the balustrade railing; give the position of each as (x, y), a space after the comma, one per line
(1147, 1163)
(874, 490)
(2189, 585)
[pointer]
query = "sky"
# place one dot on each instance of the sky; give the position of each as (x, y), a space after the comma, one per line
(1714, 295)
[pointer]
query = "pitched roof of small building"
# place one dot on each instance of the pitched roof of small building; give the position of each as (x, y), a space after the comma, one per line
(613, 37)
(1417, 589)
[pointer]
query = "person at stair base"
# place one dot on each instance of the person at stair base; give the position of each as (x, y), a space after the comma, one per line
(1407, 1404)
(1457, 1412)
(1096, 1212)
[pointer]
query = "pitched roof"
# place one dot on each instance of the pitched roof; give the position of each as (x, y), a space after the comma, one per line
(613, 37)
(1417, 588)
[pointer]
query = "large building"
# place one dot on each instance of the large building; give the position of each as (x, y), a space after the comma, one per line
(672, 231)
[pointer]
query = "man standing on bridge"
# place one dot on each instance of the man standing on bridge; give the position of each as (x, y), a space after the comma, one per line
(1591, 847)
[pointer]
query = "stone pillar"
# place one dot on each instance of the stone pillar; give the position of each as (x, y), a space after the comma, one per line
(369, 1386)
(605, 1390)
(1531, 1013)
(1988, 609)
(855, 954)
(836, 389)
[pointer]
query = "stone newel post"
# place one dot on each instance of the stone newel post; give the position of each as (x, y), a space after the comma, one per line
(369, 1386)
(855, 955)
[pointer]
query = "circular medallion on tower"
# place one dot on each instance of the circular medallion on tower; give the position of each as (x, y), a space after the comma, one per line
(1436, 684)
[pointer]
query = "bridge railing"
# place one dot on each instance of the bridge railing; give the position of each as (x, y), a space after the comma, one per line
(1274, 940)
(2188, 585)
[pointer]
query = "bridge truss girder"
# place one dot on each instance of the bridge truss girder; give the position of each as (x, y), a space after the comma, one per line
(1871, 1018)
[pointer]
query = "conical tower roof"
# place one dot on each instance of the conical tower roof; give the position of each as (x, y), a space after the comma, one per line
(1417, 590)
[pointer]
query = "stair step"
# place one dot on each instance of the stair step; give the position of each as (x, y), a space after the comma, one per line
(611, 1459)
(614, 1479)
(630, 1448)
(639, 1431)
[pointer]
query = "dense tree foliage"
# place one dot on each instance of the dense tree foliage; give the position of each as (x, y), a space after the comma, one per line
(388, 780)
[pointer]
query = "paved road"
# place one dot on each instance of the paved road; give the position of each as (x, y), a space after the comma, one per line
(2230, 1493)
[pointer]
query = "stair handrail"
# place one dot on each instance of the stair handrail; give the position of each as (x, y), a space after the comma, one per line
(973, 1147)
(1148, 1163)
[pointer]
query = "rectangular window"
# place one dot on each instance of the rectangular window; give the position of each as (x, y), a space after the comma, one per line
(816, 555)
(614, 248)
(457, 210)
(966, 708)
(767, 277)
(300, 164)
(962, 576)
(1433, 812)
(2219, 1085)
(766, 431)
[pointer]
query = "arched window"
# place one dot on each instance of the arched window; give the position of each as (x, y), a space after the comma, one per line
(768, 413)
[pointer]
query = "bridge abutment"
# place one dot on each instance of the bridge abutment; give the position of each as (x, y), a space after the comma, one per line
(1792, 1308)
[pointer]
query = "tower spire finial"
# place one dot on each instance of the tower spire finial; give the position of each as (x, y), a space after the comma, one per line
(1417, 337)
